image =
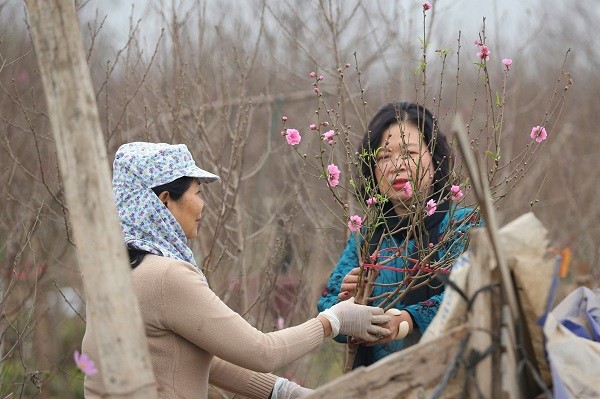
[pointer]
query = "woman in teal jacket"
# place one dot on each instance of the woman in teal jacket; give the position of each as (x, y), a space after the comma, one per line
(410, 175)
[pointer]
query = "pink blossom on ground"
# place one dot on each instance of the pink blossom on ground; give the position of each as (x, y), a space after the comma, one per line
(312, 74)
(333, 175)
(328, 136)
(408, 188)
(355, 223)
(456, 193)
(292, 136)
(539, 134)
(484, 52)
(84, 363)
(431, 207)
(426, 6)
(312, 126)
(371, 201)
(280, 323)
(507, 62)
(284, 118)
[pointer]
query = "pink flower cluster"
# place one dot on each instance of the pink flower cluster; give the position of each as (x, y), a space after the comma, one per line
(507, 62)
(484, 51)
(328, 136)
(408, 189)
(84, 363)
(333, 175)
(456, 193)
(355, 223)
(539, 134)
(371, 201)
(431, 207)
(293, 136)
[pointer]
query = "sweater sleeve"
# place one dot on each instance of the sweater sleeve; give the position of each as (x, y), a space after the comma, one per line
(239, 380)
(192, 310)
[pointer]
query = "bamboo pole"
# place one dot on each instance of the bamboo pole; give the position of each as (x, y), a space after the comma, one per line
(111, 303)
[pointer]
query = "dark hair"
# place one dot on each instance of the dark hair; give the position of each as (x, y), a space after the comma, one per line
(176, 189)
(422, 118)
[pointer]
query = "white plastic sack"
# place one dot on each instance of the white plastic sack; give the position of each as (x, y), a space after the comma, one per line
(572, 332)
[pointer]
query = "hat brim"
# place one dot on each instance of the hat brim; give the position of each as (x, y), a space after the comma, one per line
(202, 175)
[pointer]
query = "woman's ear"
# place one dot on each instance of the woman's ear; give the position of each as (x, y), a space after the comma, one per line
(164, 197)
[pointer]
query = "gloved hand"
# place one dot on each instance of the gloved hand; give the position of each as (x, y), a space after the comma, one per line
(357, 321)
(286, 389)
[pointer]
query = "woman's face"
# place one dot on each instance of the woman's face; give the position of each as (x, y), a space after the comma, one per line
(403, 158)
(187, 210)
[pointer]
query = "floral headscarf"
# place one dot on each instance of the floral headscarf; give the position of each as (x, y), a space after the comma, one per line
(145, 222)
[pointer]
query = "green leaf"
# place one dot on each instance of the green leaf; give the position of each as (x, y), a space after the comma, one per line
(493, 155)
(498, 100)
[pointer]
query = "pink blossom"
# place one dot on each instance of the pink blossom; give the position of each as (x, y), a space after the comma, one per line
(328, 136)
(293, 136)
(22, 76)
(431, 207)
(408, 188)
(84, 363)
(312, 74)
(484, 52)
(280, 323)
(478, 42)
(312, 126)
(539, 134)
(371, 201)
(456, 193)
(333, 175)
(507, 62)
(284, 118)
(321, 77)
(316, 90)
(355, 223)
(426, 6)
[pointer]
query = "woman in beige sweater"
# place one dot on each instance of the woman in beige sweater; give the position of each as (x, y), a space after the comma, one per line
(194, 338)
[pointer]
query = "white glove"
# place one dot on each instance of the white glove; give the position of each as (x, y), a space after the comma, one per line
(286, 389)
(358, 321)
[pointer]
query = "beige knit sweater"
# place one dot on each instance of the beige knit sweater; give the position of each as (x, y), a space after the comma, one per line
(196, 339)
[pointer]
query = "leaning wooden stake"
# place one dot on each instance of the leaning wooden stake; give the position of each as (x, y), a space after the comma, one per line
(480, 316)
(111, 303)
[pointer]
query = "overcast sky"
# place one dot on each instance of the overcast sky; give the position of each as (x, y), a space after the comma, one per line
(503, 17)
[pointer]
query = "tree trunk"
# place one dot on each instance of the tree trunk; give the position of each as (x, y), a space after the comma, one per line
(111, 303)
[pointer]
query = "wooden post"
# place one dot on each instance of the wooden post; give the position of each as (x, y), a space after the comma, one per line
(111, 302)
(480, 316)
